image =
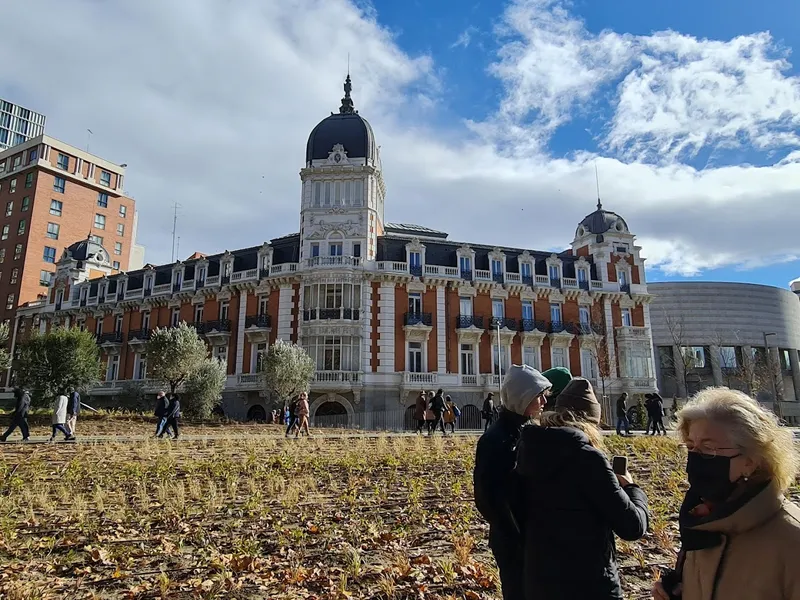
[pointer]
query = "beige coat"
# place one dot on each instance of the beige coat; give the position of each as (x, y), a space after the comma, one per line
(759, 558)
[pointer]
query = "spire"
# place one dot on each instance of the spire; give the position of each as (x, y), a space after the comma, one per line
(597, 183)
(347, 107)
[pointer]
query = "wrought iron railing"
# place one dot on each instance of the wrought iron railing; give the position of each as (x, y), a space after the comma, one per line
(263, 321)
(503, 322)
(532, 325)
(466, 321)
(415, 318)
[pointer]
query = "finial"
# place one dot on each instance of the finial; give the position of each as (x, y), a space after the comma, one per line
(597, 182)
(347, 107)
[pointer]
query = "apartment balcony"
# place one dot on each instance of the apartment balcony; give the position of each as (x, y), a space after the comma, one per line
(466, 274)
(246, 381)
(469, 321)
(218, 332)
(257, 328)
(111, 343)
(415, 270)
(138, 338)
(224, 279)
(503, 323)
(242, 276)
(491, 382)
(638, 384)
(555, 282)
(334, 262)
(263, 273)
(498, 278)
(633, 334)
(199, 284)
(562, 327)
(187, 285)
(411, 318)
(330, 314)
(625, 288)
(527, 279)
(591, 329)
(526, 325)
(468, 380)
(176, 287)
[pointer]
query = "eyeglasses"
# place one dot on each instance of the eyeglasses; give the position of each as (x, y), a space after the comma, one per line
(712, 452)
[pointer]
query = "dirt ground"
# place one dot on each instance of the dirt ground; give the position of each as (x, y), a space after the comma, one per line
(264, 517)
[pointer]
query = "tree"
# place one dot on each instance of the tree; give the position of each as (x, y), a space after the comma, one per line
(204, 389)
(594, 340)
(5, 357)
(174, 353)
(687, 363)
(50, 363)
(287, 369)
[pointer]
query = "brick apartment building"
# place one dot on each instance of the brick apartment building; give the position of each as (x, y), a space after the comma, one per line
(52, 194)
(384, 309)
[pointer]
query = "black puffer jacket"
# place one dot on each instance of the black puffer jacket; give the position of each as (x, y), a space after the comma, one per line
(498, 491)
(575, 505)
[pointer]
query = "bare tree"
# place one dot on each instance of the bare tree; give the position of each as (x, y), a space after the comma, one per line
(685, 366)
(594, 340)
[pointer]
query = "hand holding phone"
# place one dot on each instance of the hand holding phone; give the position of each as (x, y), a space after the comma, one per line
(619, 464)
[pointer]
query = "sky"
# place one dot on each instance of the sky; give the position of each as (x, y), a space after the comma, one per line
(491, 116)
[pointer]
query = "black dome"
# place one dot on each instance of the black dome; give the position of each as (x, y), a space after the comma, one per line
(347, 128)
(85, 250)
(600, 222)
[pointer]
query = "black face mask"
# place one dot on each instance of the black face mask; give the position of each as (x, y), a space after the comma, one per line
(710, 476)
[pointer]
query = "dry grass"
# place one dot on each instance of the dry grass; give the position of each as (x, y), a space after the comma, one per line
(261, 517)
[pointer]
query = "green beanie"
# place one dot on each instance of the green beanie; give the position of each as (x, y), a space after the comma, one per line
(559, 377)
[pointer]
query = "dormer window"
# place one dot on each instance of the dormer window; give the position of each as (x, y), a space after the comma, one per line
(226, 269)
(526, 272)
(555, 275)
(465, 266)
(201, 274)
(415, 263)
(622, 277)
(497, 270)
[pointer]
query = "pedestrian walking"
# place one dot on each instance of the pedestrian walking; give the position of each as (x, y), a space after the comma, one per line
(648, 407)
(162, 402)
(622, 414)
(429, 417)
(286, 415)
(438, 407)
(60, 417)
(657, 403)
(420, 407)
(73, 410)
(302, 414)
(172, 415)
(488, 411)
(571, 554)
(451, 413)
(293, 418)
(19, 419)
(499, 495)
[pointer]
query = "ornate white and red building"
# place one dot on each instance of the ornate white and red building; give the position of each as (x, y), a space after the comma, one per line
(384, 309)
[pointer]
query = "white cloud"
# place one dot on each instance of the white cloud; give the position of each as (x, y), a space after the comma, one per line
(465, 38)
(211, 104)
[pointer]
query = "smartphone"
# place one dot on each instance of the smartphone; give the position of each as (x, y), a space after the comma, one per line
(620, 465)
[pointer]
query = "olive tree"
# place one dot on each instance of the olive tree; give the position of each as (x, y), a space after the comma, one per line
(49, 364)
(5, 357)
(287, 370)
(174, 354)
(204, 389)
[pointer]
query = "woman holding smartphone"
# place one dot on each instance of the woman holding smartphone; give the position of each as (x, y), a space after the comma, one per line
(575, 503)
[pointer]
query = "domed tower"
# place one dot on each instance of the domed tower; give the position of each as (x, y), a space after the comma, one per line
(343, 190)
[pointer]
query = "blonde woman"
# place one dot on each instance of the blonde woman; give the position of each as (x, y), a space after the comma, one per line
(740, 537)
(574, 502)
(302, 414)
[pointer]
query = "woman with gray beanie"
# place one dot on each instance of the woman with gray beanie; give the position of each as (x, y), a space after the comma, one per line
(575, 503)
(498, 490)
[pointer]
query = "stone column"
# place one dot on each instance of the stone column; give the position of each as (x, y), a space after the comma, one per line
(612, 354)
(285, 301)
(441, 330)
(386, 329)
(366, 326)
(240, 337)
(716, 369)
(794, 362)
(680, 378)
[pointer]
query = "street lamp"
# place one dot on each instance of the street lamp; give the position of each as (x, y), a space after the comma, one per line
(499, 362)
(772, 367)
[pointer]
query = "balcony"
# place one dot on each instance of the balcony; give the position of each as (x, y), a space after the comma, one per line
(570, 282)
(334, 261)
(224, 279)
(250, 381)
(503, 323)
(491, 382)
(466, 274)
(137, 339)
(638, 384)
(187, 285)
(625, 288)
(211, 281)
(591, 329)
(498, 278)
(264, 273)
(527, 279)
(148, 292)
(218, 332)
(467, 321)
(532, 325)
(542, 280)
(415, 270)
(331, 314)
(336, 380)
(420, 378)
(199, 327)
(110, 342)
(161, 289)
(482, 275)
(283, 269)
(425, 319)
(257, 328)
(248, 275)
(633, 334)
(555, 282)
(584, 284)
(468, 379)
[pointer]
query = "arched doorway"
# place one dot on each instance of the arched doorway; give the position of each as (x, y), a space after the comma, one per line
(331, 410)
(470, 417)
(257, 414)
(409, 422)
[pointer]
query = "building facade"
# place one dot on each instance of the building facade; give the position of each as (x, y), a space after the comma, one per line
(385, 310)
(18, 124)
(53, 194)
(734, 334)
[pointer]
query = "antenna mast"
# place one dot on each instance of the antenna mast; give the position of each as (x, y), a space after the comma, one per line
(175, 207)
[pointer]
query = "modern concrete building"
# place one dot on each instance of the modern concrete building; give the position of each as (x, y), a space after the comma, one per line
(707, 333)
(54, 194)
(18, 124)
(384, 309)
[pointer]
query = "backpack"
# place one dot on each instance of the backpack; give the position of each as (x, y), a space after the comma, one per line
(456, 411)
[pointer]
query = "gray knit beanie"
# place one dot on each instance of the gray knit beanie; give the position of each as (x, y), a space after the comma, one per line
(521, 385)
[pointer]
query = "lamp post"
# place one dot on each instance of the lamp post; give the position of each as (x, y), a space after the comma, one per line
(772, 367)
(499, 363)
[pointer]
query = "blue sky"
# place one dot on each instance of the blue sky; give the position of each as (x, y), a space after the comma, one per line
(491, 116)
